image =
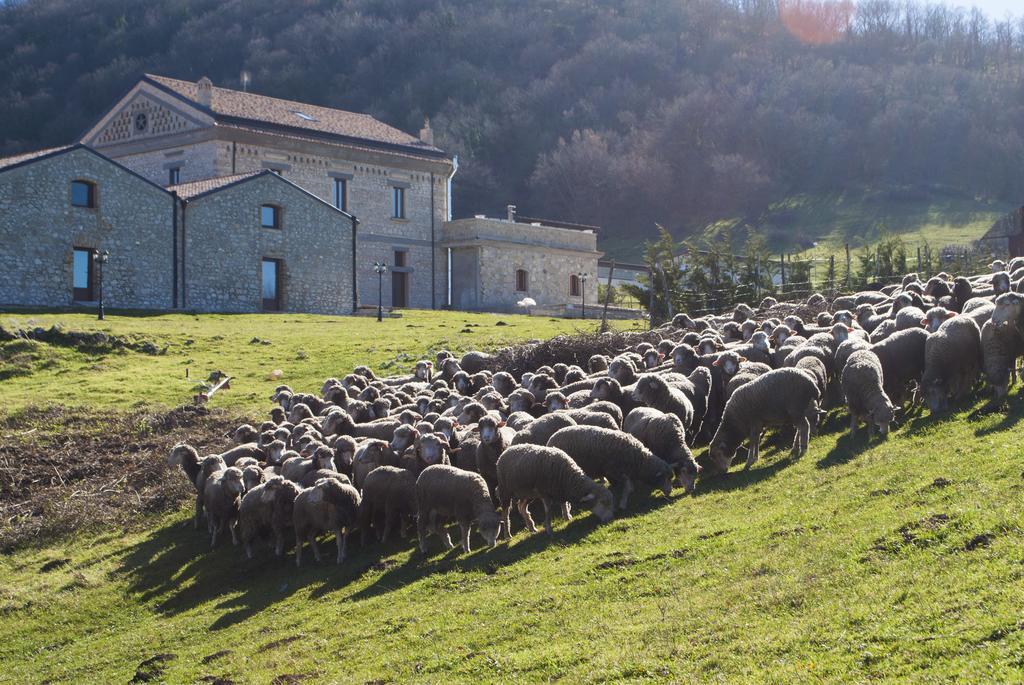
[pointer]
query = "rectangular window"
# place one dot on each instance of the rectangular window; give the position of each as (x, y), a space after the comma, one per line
(82, 275)
(271, 276)
(174, 176)
(270, 216)
(341, 194)
(398, 202)
(400, 257)
(522, 280)
(83, 194)
(574, 286)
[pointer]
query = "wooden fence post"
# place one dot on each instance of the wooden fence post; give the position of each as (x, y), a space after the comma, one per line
(607, 297)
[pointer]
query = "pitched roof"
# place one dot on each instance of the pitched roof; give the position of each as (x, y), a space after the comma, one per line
(190, 190)
(28, 156)
(230, 106)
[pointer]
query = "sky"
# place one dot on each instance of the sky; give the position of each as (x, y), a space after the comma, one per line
(997, 9)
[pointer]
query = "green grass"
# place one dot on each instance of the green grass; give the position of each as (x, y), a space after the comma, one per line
(900, 560)
(249, 347)
(858, 217)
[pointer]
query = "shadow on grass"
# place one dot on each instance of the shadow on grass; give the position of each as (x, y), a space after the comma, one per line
(767, 466)
(174, 567)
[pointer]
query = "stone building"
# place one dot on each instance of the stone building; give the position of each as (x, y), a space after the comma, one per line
(495, 263)
(212, 199)
(173, 132)
(57, 207)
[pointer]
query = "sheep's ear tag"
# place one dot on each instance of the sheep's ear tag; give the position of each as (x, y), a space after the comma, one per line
(950, 315)
(924, 322)
(743, 359)
(715, 363)
(501, 425)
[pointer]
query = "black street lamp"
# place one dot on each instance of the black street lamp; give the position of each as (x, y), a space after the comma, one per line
(380, 268)
(101, 257)
(583, 282)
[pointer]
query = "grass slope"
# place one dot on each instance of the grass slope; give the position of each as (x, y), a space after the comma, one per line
(861, 561)
(858, 217)
(307, 348)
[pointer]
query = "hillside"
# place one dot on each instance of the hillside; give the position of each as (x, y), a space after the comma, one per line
(897, 559)
(610, 113)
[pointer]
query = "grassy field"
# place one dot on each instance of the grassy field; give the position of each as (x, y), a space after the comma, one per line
(858, 217)
(249, 347)
(899, 560)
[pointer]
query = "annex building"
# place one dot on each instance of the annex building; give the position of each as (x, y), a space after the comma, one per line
(211, 199)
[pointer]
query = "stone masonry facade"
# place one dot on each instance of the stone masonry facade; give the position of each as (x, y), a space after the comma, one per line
(313, 246)
(39, 230)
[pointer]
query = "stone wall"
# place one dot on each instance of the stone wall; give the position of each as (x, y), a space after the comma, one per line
(225, 245)
(197, 162)
(39, 229)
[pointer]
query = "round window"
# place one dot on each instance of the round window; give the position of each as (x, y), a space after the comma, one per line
(141, 121)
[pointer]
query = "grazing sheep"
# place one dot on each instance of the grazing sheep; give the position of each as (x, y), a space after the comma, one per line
(529, 472)
(1001, 346)
(902, 358)
(664, 435)
(267, 509)
(540, 431)
(654, 392)
(389, 495)
(329, 506)
(614, 455)
(446, 492)
(952, 361)
(781, 397)
(371, 454)
(863, 388)
(220, 501)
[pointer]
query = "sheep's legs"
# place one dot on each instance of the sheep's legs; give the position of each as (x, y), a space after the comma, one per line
(298, 549)
(853, 425)
(389, 519)
(627, 488)
(524, 512)
(566, 511)
(233, 526)
(341, 540)
(199, 512)
(506, 518)
(547, 515)
(312, 544)
(465, 528)
(752, 445)
(803, 430)
(421, 531)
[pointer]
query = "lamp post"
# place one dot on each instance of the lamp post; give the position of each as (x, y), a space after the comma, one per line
(583, 285)
(380, 268)
(101, 257)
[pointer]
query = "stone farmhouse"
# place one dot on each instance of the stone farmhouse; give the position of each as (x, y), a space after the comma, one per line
(210, 199)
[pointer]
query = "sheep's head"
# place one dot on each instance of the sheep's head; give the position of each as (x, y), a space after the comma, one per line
(604, 389)
(824, 319)
(684, 357)
(574, 375)
(652, 358)
(380, 408)
(935, 395)
(622, 370)
(403, 438)
(902, 300)
(446, 427)
(686, 474)
(597, 363)
(489, 525)
(781, 334)
(935, 317)
(1008, 309)
(489, 429)
(709, 346)
(760, 341)
(555, 401)
(277, 415)
(882, 415)
(1001, 283)
(747, 329)
(324, 457)
(245, 433)
(252, 476)
(232, 481)
(449, 367)
(729, 362)
(658, 474)
(274, 451)
(649, 389)
(182, 453)
(373, 452)
(424, 370)
(520, 400)
(841, 332)
(600, 501)
(433, 447)
(344, 451)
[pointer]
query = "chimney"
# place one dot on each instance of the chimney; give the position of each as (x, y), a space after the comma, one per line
(204, 92)
(511, 212)
(427, 133)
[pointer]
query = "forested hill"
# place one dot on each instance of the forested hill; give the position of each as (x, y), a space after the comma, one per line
(614, 112)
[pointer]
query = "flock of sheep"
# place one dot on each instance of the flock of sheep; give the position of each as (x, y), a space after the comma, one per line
(460, 441)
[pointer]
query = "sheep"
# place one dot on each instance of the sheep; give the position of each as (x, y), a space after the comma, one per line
(267, 508)
(664, 435)
(296, 467)
(902, 358)
(862, 386)
(908, 317)
(187, 458)
(371, 454)
(617, 456)
(1000, 346)
(444, 492)
(328, 506)
(220, 501)
(475, 361)
(430, 449)
(389, 493)
(654, 392)
(585, 417)
(528, 472)
(952, 362)
(540, 431)
(495, 437)
(311, 478)
(779, 397)
(245, 433)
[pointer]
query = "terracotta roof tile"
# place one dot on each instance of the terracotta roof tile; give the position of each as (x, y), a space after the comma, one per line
(190, 190)
(296, 115)
(26, 156)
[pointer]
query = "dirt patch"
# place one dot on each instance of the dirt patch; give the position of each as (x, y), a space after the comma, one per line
(291, 678)
(618, 560)
(63, 470)
(216, 680)
(95, 342)
(152, 668)
(278, 643)
(982, 540)
(917, 534)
